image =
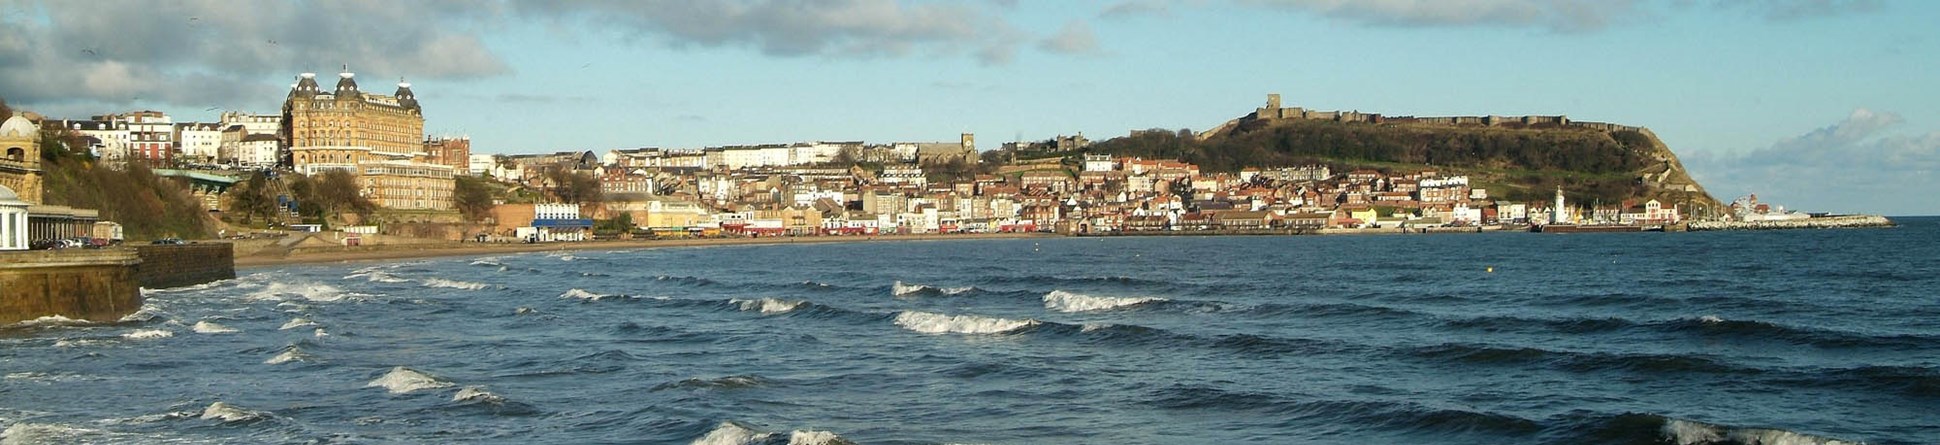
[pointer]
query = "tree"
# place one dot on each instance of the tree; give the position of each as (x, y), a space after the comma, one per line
(5, 111)
(330, 194)
(574, 187)
(472, 196)
(254, 198)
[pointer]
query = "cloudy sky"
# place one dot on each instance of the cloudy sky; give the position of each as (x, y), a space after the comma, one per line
(1821, 104)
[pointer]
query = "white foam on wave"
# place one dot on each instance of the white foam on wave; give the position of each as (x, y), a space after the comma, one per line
(1685, 432)
(454, 284)
(403, 380)
(37, 433)
(204, 286)
(147, 312)
(77, 343)
(477, 394)
(230, 413)
(295, 323)
(308, 291)
(49, 320)
(904, 289)
(812, 437)
(293, 354)
(931, 323)
(583, 295)
(1710, 319)
(1062, 301)
(730, 433)
(207, 327)
(148, 334)
(769, 305)
(377, 276)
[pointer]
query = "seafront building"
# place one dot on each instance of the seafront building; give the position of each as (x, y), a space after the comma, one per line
(379, 138)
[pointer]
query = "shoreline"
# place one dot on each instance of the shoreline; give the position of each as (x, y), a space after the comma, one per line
(415, 251)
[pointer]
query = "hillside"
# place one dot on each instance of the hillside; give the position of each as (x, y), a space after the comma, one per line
(1515, 161)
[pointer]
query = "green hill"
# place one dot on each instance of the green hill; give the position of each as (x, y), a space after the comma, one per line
(1596, 162)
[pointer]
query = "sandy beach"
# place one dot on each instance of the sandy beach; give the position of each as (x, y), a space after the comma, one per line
(245, 260)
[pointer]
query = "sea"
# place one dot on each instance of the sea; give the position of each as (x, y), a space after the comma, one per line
(1774, 337)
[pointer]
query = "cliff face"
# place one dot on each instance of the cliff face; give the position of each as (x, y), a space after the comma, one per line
(1668, 181)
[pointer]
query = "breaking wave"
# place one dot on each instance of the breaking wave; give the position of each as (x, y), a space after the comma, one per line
(932, 323)
(477, 394)
(148, 334)
(902, 289)
(293, 354)
(403, 380)
(455, 284)
(50, 320)
(1063, 301)
(768, 305)
(729, 382)
(734, 433)
(583, 295)
(231, 414)
(207, 327)
(296, 323)
(278, 291)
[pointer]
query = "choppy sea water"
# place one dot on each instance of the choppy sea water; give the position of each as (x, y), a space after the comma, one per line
(1735, 337)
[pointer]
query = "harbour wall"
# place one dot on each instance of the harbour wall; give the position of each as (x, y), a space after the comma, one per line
(93, 285)
(177, 265)
(1830, 222)
(102, 285)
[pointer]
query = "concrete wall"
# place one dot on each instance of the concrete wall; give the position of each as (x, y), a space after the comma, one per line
(96, 285)
(176, 265)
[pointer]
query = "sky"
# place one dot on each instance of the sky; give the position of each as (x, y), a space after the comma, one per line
(1821, 105)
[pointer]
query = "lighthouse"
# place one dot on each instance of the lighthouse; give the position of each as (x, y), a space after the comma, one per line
(1557, 214)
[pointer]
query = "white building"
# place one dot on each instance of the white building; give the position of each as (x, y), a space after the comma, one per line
(248, 149)
(200, 142)
(253, 123)
(1100, 163)
(13, 220)
(480, 164)
(110, 137)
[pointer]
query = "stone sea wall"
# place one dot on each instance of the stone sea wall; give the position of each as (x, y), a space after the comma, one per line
(1830, 222)
(94, 285)
(176, 265)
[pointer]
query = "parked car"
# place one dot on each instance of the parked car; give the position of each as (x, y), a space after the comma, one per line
(168, 241)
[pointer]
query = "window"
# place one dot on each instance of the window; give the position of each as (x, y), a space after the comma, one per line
(16, 154)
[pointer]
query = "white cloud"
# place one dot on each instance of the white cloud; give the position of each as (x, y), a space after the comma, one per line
(1554, 15)
(1855, 165)
(1075, 38)
(194, 53)
(1135, 8)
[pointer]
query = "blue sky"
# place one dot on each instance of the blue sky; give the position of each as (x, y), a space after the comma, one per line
(1825, 105)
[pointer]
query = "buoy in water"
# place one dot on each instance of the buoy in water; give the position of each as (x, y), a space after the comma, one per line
(1491, 269)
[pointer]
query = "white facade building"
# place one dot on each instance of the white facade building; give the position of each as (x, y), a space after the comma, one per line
(200, 142)
(13, 220)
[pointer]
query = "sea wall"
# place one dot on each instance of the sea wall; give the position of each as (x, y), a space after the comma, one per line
(1830, 222)
(81, 284)
(176, 265)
